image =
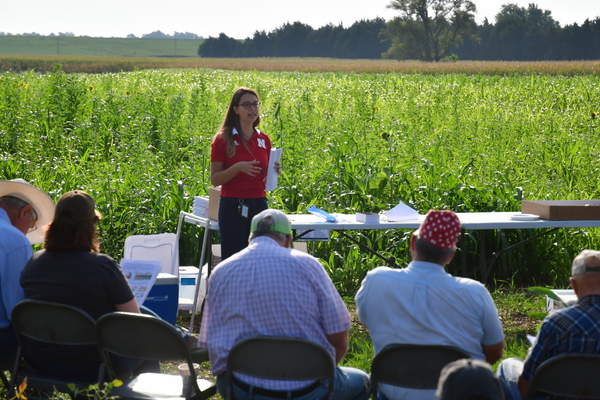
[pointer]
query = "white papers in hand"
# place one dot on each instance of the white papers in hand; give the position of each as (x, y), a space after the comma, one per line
(141, 275)
(532, 340)
(271, 172)
(402, 212)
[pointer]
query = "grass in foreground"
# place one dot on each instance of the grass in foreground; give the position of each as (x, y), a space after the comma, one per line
(512, 304)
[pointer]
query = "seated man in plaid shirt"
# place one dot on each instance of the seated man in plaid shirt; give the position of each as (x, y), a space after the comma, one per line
(574, 329)
(270, 289)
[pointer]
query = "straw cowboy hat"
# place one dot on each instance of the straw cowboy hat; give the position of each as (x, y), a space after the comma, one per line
(40, 201)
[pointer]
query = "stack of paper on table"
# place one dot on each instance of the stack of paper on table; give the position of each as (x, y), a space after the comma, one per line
(402, 212)
(200, 206)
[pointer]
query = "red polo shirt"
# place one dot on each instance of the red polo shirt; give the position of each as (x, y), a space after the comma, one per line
(244, 185)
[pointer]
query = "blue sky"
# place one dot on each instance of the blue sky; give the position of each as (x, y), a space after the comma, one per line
(236, 18)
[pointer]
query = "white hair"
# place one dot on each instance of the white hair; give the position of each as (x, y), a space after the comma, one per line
(12, 203)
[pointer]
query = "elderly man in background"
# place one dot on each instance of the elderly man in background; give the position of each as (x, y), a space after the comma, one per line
(423, 304)
(24, 211)
(270, 289)
(573, 329)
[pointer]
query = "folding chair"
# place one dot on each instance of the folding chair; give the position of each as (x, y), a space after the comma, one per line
(163, 247)
(51, 323)
(148, 338)
(568, 375)
(280, 358)
(412, 366)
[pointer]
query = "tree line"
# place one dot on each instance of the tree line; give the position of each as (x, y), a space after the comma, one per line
(361, 40)
(531, 34)
(425, 30)
(432, 29)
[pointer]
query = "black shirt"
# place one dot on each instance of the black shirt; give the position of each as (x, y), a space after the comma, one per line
(91, 281)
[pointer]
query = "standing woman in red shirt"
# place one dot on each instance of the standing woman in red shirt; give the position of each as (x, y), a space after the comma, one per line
(238, 162)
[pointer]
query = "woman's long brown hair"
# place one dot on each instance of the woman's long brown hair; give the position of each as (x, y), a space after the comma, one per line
(64, 234)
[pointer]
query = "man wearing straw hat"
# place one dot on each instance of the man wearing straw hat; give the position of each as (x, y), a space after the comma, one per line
(24, 211)
(423, 304)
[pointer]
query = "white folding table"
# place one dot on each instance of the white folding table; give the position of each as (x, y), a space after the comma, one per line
(480, 221)
(470, 221)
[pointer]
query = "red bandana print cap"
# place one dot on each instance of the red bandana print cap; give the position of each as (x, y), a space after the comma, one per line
(440, 228)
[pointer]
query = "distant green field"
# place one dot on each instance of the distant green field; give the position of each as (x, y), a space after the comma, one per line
(88, 46)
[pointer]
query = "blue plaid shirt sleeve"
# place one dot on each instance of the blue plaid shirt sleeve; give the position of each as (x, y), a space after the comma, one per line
(539, 351)
(575, 329)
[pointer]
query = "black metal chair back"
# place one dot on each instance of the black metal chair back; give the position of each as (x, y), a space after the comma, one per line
(51, 323)
(411, 365)
(567, 375)
(280, 358)
(148, 338)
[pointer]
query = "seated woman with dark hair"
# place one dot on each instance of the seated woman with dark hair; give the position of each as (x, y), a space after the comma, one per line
(72, 271)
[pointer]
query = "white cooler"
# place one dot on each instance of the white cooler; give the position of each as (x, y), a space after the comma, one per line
(187, 287)
(566, 295)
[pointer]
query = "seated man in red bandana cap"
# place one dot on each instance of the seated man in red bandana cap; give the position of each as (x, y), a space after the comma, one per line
(423, 304)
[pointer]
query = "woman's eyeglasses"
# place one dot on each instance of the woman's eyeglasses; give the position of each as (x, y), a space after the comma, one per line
(247, 105)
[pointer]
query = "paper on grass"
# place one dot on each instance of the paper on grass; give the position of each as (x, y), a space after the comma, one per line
(532, 340)
(271, 172)
(402, 212)
(141, 275)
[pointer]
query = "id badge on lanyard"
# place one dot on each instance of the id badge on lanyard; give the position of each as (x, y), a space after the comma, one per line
(243, 209)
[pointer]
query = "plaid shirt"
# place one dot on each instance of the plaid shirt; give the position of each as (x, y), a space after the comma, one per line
(574, 329)
(267, 289)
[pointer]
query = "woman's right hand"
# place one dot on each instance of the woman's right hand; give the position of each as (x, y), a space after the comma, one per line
(249, 167)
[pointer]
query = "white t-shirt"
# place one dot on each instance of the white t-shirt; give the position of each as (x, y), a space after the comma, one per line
(423, 304)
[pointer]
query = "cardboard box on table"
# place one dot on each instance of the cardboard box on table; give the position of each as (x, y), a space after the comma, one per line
(563, 210)
(214, 198)
(367, 217)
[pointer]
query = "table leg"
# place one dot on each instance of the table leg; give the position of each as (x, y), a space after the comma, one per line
(482, 256)
(498, 253)
(207, 242)
(370, 250)
(209, 268)
(210, 255)
(463, 252)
